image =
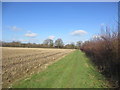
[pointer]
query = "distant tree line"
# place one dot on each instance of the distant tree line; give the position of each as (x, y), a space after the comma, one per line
(48, 43)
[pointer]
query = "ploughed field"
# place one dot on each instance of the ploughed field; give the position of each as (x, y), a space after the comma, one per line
(20, 62)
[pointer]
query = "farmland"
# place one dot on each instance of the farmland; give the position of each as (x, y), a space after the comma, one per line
(20, 62)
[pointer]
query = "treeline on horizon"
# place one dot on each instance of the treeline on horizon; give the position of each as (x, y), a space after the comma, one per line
(104, 53)
(48, 43)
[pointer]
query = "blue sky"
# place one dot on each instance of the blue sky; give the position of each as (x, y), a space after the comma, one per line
(72, 21)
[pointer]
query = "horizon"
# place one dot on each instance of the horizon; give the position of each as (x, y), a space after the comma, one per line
(71, 21)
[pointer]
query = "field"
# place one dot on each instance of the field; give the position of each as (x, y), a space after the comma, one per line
(18, 63)
(72, 71)
(49, 68)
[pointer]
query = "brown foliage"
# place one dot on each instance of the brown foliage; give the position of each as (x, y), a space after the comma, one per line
(103, 51)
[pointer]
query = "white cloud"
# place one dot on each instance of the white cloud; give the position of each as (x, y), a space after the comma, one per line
(30, 34)
(15, 28)
(78, 32)
(51, 37)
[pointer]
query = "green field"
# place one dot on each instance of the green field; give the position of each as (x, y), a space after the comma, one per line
(72, 71)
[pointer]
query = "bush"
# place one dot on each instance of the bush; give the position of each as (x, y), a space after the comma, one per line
(103, 51)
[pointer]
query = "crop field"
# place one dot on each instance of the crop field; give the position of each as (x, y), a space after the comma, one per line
(20, 62)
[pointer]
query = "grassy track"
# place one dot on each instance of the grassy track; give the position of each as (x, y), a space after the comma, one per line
(72, 71)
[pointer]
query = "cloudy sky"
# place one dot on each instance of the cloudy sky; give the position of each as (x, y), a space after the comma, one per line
(35, 22)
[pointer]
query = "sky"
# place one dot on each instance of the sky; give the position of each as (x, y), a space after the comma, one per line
(71, 21)
(60, 0)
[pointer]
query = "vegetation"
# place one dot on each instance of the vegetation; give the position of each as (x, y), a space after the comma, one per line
(79, 44)
(59, 43)
(103, 51)
(48, 43)
(72, 71)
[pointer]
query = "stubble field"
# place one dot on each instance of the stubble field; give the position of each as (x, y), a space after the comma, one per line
(20, 62)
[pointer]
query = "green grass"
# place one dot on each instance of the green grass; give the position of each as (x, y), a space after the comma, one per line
(72, 71)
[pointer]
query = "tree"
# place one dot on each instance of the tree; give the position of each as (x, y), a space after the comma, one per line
(79, 44)
(48, 43)
(72, 45)
(59, 43)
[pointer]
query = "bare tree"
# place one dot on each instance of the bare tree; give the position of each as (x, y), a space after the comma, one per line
(48, 43)
(59, 43)
(79, 44)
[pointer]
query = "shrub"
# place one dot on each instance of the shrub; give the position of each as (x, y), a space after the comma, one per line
(103, 51)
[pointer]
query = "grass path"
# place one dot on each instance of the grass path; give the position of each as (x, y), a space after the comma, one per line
(72, 71)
